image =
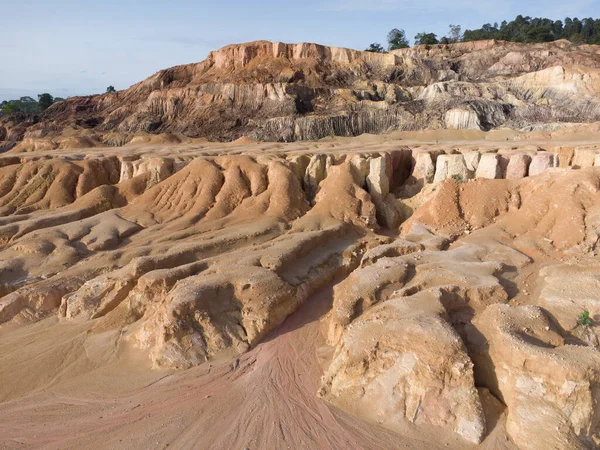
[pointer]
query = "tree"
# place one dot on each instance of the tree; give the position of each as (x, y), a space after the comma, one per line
(9, 107)
(45, 101)
(455, 33)
(27, 105)
(375, 47)
(540, 34)
(112, 89)
(568, 29)
(397, 39)
(557, 29)
(426, 39)
(539, 29)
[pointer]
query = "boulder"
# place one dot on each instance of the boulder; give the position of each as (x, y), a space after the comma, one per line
(472, 161)
(158, 168)
(451, 166)
(360, 168)
(564, 155)
(424, 169)
(489, 167)
(584, 157)
(518, 167)
(540, 163)
(378, 180)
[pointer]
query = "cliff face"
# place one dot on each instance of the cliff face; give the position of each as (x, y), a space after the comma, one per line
(286, 92)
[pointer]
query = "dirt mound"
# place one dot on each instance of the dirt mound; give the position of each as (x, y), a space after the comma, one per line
(559, 208)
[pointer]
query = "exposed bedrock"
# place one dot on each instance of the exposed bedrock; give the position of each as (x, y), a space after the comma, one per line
(80, 185)
(521, 355)
(429, 166)
(542, 364)
(231, 306)
(193, 259)
(489, 167)
(569, 287)
(187, 299)
(397, 357)
(286, 92)
(540, 163)
(289, 129)
(401, 360)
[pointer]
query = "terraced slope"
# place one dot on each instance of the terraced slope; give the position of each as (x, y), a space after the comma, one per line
(288, 92)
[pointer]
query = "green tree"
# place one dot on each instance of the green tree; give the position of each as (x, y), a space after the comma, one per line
(455, 33)
(9, 107)
(45, 100)
(28, 105)
(540, 34)
(539, 29)
(426, 39)
(110, 89)
(557, 29)
(397, 39)
(375, 48)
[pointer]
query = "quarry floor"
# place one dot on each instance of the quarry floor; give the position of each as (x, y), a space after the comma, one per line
(71, 384)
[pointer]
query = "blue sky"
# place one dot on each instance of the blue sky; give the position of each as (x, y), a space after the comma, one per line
(70, 47)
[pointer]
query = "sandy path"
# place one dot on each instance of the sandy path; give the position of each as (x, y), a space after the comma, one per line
(99, 399)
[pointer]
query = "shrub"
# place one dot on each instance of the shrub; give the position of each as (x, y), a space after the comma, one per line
(584, 319)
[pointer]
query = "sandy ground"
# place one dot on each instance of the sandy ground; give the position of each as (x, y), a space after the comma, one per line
(70, 384)
(62, 391)
(434, 139)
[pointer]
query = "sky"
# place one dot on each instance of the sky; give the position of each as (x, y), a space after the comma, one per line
(79, 47)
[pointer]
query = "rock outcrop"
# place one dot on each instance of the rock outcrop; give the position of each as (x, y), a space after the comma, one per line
(200, 253)
(401, 360)
(288, 92)
(520, 354)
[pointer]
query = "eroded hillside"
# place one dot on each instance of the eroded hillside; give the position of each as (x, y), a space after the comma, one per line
(289, 92)
(429, 289)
